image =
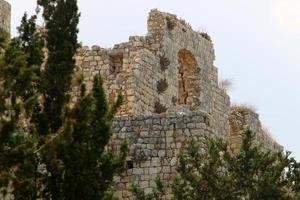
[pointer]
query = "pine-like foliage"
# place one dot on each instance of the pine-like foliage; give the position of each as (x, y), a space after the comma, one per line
(18, 162)
(61, 19)
(47, 149)
(158, 192)
(207, 170)
(80, 165)
(4, 38)
(32, 40)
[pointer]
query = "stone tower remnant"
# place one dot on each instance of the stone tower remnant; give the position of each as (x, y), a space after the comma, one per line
(5, 15)
(170, 86)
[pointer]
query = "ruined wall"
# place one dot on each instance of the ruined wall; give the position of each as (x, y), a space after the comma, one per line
(171, 92)
(242, 119)
(155, 140)
(5, 10)
(168, 69)
(191, 57)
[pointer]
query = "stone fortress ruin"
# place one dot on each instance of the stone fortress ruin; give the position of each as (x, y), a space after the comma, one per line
(171, 92)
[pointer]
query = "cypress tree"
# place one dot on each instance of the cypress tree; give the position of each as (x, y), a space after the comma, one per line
(20, 60)
(18, 162)
(56, 155)
(80, 165)
(32, 40)
(61, 19)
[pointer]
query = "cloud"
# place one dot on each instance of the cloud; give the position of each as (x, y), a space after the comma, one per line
(286, 15)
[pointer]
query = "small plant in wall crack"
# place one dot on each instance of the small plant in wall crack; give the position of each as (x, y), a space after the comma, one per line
(204, 34)
(162, 86)
(174, 100)
(159, 108)
(164, 62)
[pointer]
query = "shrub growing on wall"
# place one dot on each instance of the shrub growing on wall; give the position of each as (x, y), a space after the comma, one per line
(162, 86)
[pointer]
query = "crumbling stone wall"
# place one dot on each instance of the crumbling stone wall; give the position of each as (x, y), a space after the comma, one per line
(169, 68)
(5, 10)
(155, 140)
(242, 119)
(171, 92)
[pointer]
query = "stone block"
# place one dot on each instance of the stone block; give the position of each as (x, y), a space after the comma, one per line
(155, 162)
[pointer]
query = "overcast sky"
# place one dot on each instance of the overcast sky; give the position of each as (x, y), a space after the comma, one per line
(257, 45)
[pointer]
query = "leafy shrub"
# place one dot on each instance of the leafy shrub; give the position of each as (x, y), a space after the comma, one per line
(162, 86)
(159, 108)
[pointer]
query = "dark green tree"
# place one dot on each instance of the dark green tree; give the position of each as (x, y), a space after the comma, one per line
(32, 44)
(80, 166)
(47, 149)
(32, 40)
(4, 39)
(18, 162)
(203, 172)
(61, 19)
(207, 170)
(158, 192)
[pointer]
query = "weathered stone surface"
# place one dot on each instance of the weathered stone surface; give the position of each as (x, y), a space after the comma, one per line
(180, 56)
(5, 10)
(190, 102)
(169, 71)
(153, 152)
(244, 118)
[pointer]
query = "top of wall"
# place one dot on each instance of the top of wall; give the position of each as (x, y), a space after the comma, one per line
(160, 23)
(5, 15)
(171, 55)
(136, 66)
(243, 118)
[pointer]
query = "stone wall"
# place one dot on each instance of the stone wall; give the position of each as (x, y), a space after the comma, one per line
(241, 119)
(169, 68)
(155, 140)
(171, 92)
(5, 10)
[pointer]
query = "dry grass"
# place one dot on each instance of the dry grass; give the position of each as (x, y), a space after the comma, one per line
(244, 107)
(206, 36)
(225, 84)
(203, 32)
(266, 131)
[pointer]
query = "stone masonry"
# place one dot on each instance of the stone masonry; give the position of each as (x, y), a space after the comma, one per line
(5, 10)
(171, 92)
(170, 68)
(242, 118)
(170, 86)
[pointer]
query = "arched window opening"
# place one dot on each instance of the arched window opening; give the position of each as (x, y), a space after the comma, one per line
(189, 79)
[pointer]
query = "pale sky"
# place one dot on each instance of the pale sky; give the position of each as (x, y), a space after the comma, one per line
(257, 45)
